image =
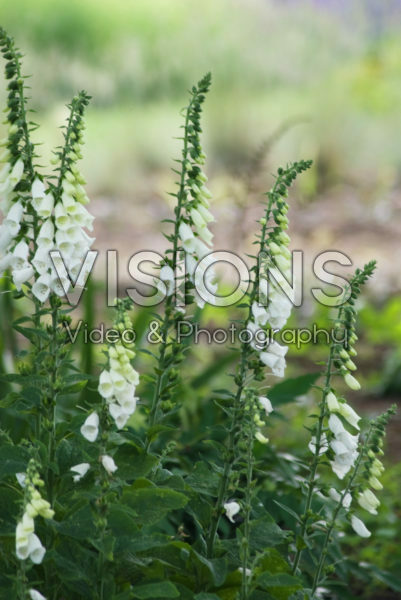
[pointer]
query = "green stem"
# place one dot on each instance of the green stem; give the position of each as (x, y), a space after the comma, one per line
(323, 553)
(316, 458)
(164, 330)
(243, 370)
(247, 512)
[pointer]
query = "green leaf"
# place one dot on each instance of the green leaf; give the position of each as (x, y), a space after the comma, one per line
(133, 462)
(161, 589)
(151, 504)
(205, 596)
(78, 525)
(13, 459)
(288, 390)
(203, 480)
(265, 532)
(281, 585)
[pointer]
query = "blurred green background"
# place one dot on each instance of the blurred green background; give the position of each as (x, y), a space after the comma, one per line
(291, 79)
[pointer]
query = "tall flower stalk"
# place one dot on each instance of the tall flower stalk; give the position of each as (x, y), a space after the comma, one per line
(255, 352)
(334, 438)
(189, 239)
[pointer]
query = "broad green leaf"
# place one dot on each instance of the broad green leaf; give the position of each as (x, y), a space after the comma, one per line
(289, 390)
(152, 504)
(133, 462)
(161, 589)
(13, 459)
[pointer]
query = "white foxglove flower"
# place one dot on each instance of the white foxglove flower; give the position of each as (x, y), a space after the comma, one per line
(349, 414)
(35, 595)
(187, 238)
(38, 189)
(60, 285)
(351, 382)
(105, 388)
(368, 501)
(16, 173)
(23, 275)
(41, 287)
(5, 237)
(334, 495)
(13, 218)
(21, 543)
(273, 358)
(20, 255)
(109, 464)
(335, 425)
(42, 261)
(81, 470)
(323, 444)
(232, 508)
(375, 483)
(90, 429)
(265, 404)
(248, 572)
(28, 526)
(167, 276)
(36, 551)
(45, 238)
(119, 415)
(332, 402)
(359, 527)
(261, 438)
(205, 213)
(62, 218)
(118, 381)
(260, 314)
(21, 477)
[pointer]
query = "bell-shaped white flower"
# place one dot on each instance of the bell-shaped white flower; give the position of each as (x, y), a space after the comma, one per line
(351, 382)
(324, 446)
(13, 218)
(38, 189)
(265, 404)
(20, 256)
(62, 218)
(105, 385)
(167, 276)
(27, 523)
(16, 173)
(332, 402)
(35, 595)
(90, 429)
(23, 275)
(262, 439)
(336, 496)
(368, 501)
(21, 478)
(119, 415)
(45, 237)
(205, 213)
(273, 358)
(44, 205)
(109, 464)
(260, 314)
(232, 508)
(335, 425)
(21, 543)
(36, 551)
(375, 483)
(359, 527)
(41, 287)
(5, 237)
(81, 470)
(82, 217)
(349, 414)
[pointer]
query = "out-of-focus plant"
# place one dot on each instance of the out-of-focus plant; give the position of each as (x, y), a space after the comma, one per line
(103, 495)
